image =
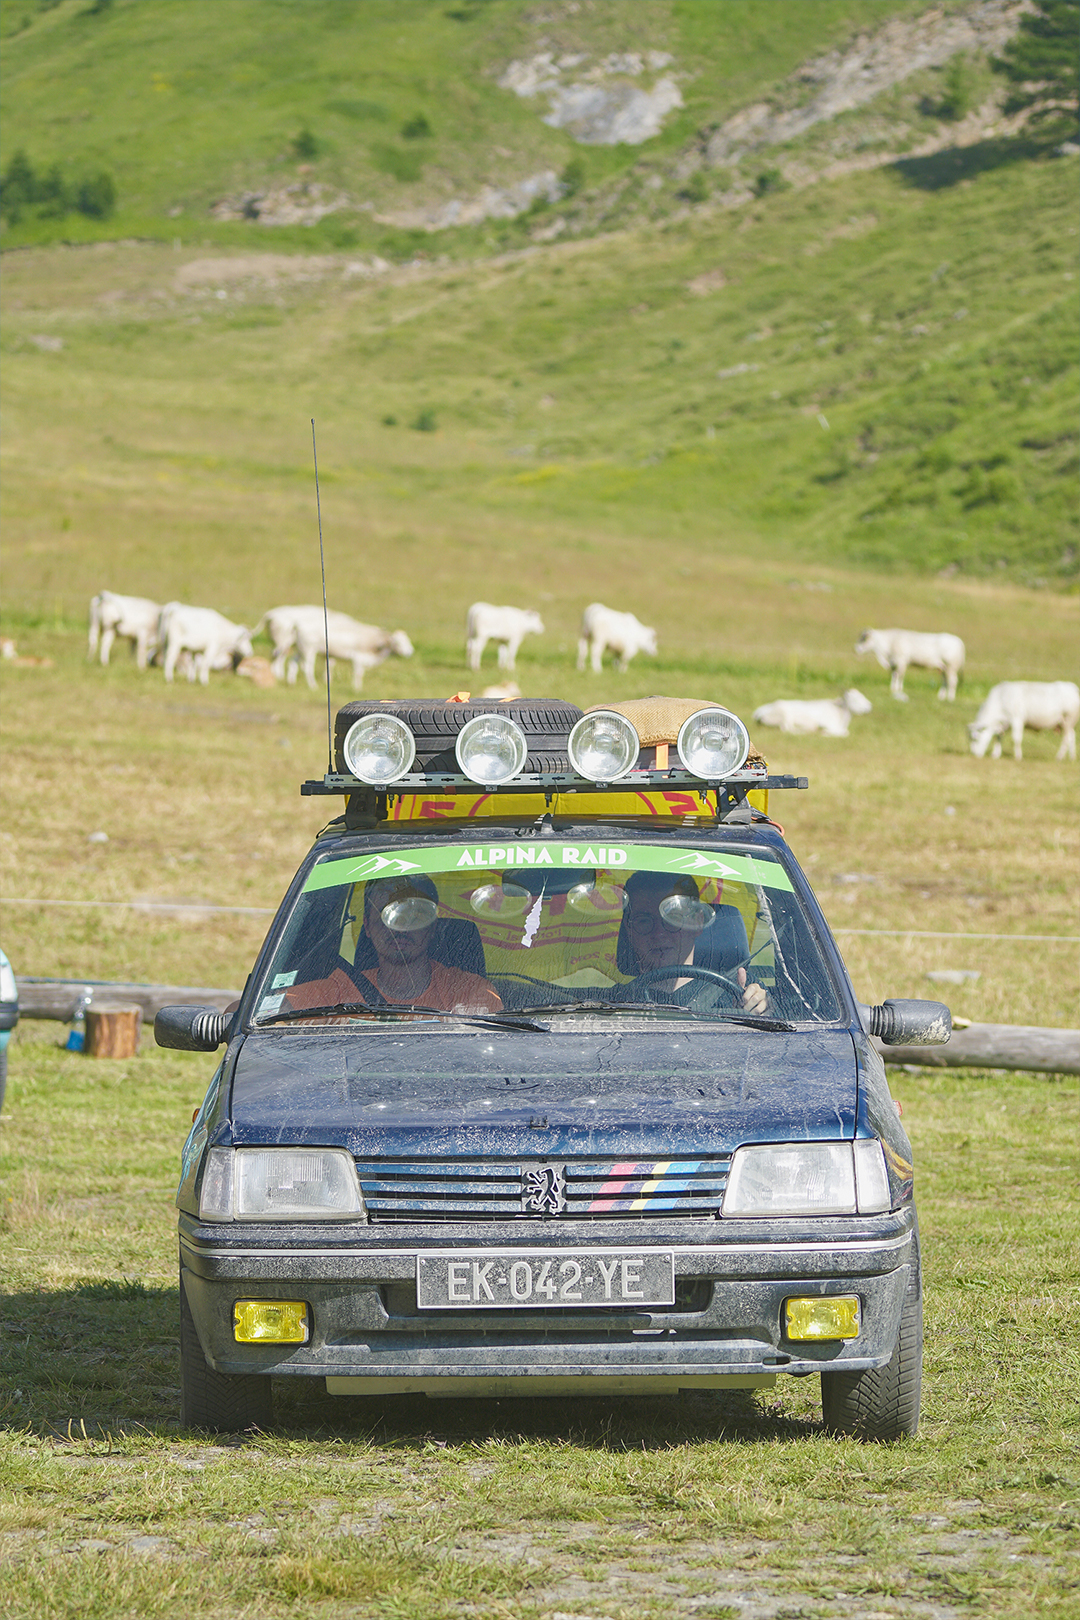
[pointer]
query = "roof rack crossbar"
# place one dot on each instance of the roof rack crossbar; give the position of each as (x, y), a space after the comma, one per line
(441, 782)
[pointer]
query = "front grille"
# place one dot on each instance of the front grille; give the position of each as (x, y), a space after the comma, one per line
(578, 1189)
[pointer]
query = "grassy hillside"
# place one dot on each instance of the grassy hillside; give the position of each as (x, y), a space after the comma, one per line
(395, 102)
(871, 370)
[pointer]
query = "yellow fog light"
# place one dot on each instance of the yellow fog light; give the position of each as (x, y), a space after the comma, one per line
(833, 1318)
(270, 1321)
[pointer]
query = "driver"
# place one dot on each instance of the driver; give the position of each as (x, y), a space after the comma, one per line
(663, 920)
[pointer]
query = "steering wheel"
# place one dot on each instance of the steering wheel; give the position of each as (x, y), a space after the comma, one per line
(689, 970)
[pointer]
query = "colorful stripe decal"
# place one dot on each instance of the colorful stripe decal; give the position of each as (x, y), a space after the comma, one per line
(632, 1187)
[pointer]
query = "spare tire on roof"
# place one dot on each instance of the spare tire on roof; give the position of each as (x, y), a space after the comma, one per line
(546, 723)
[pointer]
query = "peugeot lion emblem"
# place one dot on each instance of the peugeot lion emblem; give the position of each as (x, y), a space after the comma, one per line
(544, 1191)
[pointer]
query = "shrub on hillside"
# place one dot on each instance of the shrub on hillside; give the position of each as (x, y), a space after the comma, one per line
(696, 188)
(957, 92)
(96, 195)
(306, 146)
(48, 195)
(769, 180)
(573, 177)
(1041, 63)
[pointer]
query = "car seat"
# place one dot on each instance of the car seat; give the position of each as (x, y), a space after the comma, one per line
(722, 945)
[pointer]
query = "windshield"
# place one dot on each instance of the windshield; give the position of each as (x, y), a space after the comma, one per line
(502, 929)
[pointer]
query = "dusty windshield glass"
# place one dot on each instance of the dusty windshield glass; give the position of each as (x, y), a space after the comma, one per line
(497, 928)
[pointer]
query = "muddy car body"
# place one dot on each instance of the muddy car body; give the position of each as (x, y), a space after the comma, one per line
(626, 1131)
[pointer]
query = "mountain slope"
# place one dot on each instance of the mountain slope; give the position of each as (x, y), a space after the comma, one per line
(372, 123)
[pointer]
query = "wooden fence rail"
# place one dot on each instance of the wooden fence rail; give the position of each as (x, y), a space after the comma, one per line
(59, 998)
(978, 1046)
(996, 1046)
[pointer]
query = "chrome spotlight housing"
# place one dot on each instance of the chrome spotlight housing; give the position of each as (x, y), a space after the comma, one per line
(713, 743)
(491, 749)
(603, 746)
(379, 749)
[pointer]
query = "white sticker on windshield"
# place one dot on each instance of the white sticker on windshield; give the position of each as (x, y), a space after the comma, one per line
(532, 922)
(270, 1004)
(283, 980)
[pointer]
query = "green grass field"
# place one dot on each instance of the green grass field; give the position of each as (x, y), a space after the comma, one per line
(525, 1509)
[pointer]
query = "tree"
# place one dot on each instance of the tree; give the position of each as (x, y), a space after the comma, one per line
(1043, 64)
(17, 187)
(96, 195)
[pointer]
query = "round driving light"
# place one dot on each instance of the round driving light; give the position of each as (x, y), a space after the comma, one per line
(603, 746)
(491, 749)
(713, 743)
(379, 749)
(409, 914)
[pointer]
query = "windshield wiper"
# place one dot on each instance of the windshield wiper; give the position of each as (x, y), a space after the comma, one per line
(493, 1020)
(750, 1019)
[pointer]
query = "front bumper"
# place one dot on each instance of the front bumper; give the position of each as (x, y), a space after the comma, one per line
(367, 1335)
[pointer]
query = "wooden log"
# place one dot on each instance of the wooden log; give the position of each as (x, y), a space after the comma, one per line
(58, 998)
(996, 1046)
(112, 1029)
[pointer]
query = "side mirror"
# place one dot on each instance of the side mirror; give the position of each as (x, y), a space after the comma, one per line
(192, 1029)
(909, 1023)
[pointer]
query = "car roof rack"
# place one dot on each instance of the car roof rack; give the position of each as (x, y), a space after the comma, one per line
(652, 723)
(726, 799)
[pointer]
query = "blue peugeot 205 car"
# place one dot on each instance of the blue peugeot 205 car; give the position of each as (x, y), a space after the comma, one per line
(549, 1079)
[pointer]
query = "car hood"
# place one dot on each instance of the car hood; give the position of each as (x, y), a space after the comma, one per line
(381, 1093)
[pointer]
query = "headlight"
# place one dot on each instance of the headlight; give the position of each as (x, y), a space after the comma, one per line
(872, 1192)
(379, 748)
(603, 746)
(713, 743)
(799, 1178)
(491, 749)
(279, 1184)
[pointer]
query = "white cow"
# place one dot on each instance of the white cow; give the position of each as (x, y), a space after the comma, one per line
(300, 631)
(135, 618)
(507, 625)
(898, 649)
(1038, 705)
(213, 641)
(602, 627)
(800, 716)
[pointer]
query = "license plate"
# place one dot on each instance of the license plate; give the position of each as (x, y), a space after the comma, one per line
(523, 1281)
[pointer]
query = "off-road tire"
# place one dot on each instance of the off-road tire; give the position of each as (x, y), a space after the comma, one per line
(224, 1403)
(882, 1404)
(545, 722)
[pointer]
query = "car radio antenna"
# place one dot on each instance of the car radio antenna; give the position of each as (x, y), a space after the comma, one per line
(325, 616)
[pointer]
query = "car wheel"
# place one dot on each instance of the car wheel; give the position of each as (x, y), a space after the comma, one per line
(882, 1404)
(225, 1403)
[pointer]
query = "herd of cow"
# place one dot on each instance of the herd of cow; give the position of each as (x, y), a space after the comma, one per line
(197, 640)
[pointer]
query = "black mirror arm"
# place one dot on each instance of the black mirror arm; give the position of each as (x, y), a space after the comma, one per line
(908, 1022)
(192, 1029)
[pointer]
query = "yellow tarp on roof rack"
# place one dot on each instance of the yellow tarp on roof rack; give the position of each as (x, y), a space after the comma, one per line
(670, 803)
